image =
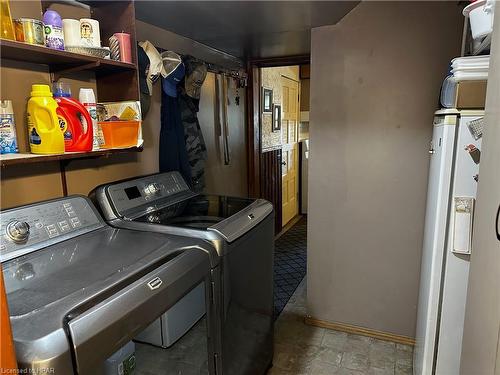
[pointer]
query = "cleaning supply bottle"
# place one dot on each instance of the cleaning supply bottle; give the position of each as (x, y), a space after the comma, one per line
(8, 138)
(45, 135)
(6, 25)
(54, 37)
(87, 98)
(74, 120)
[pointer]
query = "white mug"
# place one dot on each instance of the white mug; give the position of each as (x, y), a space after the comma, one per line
(89, 33)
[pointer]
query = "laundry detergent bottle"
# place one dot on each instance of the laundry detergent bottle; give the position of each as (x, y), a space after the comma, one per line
(45, 135)
(74, 120)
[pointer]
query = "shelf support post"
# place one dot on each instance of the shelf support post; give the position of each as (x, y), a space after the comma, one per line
(64, 184)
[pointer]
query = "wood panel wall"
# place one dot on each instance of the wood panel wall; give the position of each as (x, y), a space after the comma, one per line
(270, 182)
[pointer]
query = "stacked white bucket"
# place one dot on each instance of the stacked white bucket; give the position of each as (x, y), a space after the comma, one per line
(480, 13)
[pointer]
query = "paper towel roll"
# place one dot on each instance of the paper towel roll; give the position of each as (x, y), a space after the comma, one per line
(71, 31)
(89, 32)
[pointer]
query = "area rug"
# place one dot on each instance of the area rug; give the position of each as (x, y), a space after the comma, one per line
(290, 264)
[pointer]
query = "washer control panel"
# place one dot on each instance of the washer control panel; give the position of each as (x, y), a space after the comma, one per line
(44, 223)
(146, 191)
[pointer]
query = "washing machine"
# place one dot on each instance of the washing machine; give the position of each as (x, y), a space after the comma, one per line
(78, 290)
(241, 230)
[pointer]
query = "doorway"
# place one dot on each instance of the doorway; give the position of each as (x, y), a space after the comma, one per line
(280, 132)
(278, 121)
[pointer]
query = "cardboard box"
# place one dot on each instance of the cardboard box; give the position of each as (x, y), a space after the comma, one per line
(470, 95)
(115, 111)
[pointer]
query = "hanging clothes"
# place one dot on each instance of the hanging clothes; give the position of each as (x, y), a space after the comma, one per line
(194, 141)
(173, 155)
(189, 101)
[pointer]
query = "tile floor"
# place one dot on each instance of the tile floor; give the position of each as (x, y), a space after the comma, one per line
(305, 350)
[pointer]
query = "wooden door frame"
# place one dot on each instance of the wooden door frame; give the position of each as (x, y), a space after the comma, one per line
(254, 125)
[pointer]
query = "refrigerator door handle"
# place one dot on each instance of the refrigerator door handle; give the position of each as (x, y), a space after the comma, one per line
(497, 223)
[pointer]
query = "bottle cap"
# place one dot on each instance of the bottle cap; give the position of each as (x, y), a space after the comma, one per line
(6, 107)
(61, 89)
(40, 90)
(86, 95)
(51, 17)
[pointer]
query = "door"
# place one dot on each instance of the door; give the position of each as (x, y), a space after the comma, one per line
(480, 349)
(289, 125)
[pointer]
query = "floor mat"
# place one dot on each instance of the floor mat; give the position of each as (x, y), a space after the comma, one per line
(290, 263)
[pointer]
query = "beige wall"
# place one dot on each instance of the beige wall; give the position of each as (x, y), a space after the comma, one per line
(481, 346)
(271, 79)
(375, 83)
(25, 184)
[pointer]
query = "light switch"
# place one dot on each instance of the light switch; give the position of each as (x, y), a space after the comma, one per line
(462, 229)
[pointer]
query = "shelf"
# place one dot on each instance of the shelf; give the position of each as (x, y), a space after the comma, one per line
(13, 159)
(60, 61)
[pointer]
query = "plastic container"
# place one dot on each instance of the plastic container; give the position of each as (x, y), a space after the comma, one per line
(45, 135)
(53, 30)
(448, 92)
(74, 120)
(121, 362)
(8, 137)
(481, 15)
(120, 134)
(87, 98)
(176, 321)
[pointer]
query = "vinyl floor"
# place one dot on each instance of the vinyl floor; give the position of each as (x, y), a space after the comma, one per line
(300, 349)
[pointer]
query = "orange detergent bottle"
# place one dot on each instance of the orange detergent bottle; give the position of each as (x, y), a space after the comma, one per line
(74, 120)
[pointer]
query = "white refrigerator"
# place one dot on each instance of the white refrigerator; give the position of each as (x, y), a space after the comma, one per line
(453, 174)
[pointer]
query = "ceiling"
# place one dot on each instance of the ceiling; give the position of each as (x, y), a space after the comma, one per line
(257, 29)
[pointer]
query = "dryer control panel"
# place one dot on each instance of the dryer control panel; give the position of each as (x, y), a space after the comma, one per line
(138, 196)
(28, 228)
